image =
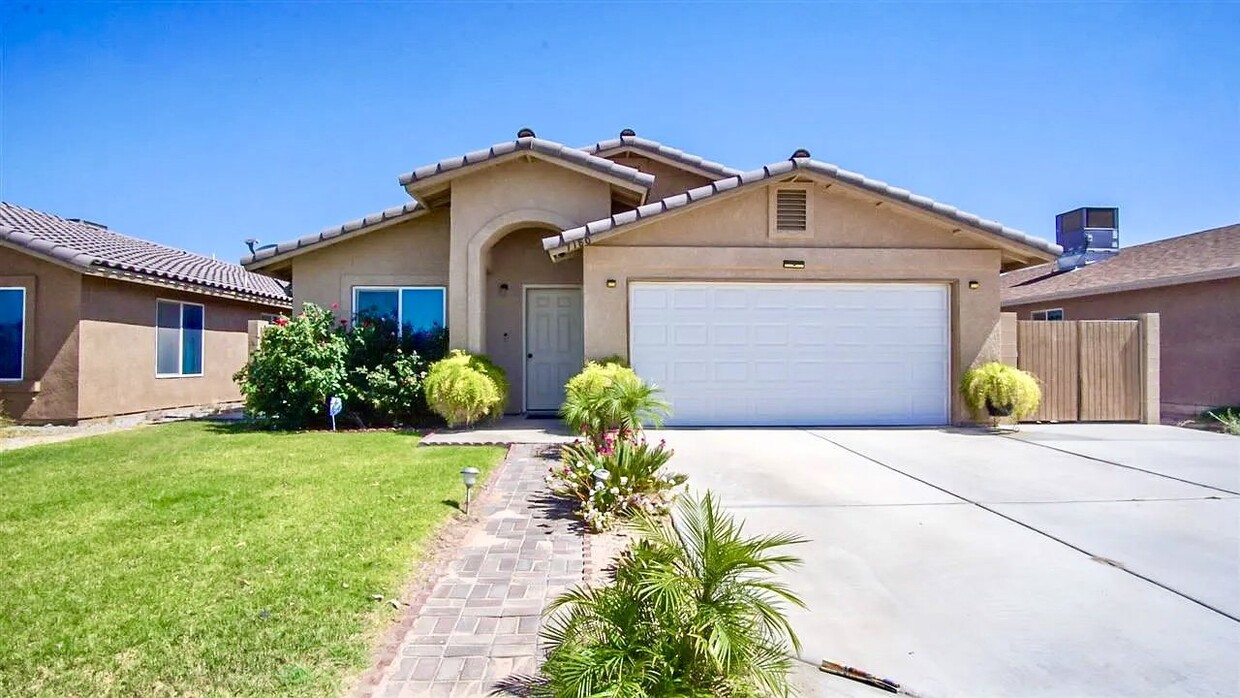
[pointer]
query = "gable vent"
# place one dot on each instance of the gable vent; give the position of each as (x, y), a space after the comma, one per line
(791, 212)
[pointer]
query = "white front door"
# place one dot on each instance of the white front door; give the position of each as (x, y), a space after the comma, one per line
(794, 354)
(554, 345)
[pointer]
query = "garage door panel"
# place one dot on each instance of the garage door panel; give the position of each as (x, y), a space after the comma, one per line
(795, 354)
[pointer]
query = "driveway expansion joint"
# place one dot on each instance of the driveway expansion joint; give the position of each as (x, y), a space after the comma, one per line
(1018, 522)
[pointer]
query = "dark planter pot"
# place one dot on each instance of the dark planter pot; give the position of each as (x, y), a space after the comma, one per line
(998, 410)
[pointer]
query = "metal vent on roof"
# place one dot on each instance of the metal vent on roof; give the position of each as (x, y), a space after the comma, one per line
(791, 210)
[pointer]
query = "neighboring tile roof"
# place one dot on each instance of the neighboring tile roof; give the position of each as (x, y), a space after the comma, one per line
(533, 144)
(676, 155)
(1201, 256)
(364, 223)
(575, 238)
(90, 247)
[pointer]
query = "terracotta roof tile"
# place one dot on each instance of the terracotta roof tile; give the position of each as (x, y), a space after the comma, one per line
(1208, 254)
(654, 147)
(580, 236)
(89, 246)
(533, 144)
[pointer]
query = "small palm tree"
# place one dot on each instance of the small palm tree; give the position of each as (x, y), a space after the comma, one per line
(694, 611)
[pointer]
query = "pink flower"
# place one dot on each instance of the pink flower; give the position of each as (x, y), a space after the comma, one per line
(335, 306)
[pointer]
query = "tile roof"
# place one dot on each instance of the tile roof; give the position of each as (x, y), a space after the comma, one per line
(654, 147)
(363, 224)
(572, 239)
(532, 144)
(1201, 256)
(92, 247)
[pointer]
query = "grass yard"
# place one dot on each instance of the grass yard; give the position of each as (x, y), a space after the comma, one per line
(192, 559)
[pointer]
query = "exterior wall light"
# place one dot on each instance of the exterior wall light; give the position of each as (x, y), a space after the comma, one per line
(794, 264)
(470, 477)
(973, 285)
(611, 283)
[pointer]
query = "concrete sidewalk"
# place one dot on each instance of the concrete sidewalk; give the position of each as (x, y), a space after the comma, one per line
(509, 430)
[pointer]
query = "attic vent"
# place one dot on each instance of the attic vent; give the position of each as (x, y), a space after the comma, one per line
(791, 210)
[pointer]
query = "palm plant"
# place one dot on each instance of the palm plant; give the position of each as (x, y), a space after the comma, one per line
(610, 397)
(694, 611)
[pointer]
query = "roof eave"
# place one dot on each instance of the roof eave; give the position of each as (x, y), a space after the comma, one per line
(284, 251)
(1031, 250)
(426, 188)
(1138, 285)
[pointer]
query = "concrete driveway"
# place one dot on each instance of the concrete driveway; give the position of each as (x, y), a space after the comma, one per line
(1067, 560)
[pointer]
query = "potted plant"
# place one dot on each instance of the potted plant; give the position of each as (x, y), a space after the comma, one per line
(1000, 390)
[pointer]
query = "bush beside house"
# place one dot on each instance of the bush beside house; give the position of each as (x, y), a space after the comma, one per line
(377, 370)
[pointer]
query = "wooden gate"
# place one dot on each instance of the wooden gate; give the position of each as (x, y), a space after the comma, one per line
(1090, 370)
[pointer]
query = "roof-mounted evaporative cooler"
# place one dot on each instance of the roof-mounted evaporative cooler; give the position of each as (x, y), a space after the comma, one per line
(1087, 235)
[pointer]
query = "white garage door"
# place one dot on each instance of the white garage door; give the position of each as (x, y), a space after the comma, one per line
(794, 354)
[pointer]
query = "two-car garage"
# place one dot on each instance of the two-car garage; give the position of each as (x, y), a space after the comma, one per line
(795, 354)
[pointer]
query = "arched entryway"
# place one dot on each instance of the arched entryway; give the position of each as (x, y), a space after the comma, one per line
(533, 318)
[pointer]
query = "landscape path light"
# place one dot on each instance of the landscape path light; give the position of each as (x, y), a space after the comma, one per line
(470, 477)
(600, 477)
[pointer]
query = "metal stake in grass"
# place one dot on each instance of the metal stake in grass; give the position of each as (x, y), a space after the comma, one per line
(470, 477)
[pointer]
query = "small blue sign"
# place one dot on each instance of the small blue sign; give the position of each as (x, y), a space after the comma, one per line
(334, 406)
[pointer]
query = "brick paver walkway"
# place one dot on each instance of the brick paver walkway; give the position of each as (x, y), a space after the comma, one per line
(479, 625)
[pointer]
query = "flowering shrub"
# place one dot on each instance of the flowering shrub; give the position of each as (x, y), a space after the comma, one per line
(299, 364)
(463, 388)
(386, 369)
(302, 361)
(635, 483)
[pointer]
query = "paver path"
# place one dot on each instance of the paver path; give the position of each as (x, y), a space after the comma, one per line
(480, 623)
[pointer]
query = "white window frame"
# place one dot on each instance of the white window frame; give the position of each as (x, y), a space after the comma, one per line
(1045, 315)
(773, 230)
(400, 302)
(181, 340)
(21, 374)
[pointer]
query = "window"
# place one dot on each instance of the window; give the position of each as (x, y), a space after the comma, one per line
(1052, 314)
(178, 339)
(791, 211)
(12, 333)
(415, 308)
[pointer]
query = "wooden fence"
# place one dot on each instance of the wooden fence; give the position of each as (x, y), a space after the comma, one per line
(1090, 370)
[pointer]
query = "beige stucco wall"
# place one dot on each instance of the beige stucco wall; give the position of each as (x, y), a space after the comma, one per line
(53, 301)
(117, 360)
(519, 261)
(1199, 337)
(842, 218)
(413, 253)
(851, 240)
(488, 204)
(668, 181)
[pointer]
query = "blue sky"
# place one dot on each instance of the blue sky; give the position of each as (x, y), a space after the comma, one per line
(201, 124)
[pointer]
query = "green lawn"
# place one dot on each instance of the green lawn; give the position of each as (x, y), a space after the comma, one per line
(190, 559)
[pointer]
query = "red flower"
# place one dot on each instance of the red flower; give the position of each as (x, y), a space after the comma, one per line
(281, 321)
(335, 306)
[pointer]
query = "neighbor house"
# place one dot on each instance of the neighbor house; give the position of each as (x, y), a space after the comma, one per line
(796, 293)
(1191, 281)
(97, 324)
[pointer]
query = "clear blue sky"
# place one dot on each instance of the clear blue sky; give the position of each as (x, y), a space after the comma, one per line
(199, 125)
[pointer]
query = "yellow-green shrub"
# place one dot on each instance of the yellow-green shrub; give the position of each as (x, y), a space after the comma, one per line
(1001, 386)
(463, 388)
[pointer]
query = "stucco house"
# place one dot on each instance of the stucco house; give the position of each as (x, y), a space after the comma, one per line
(1191, 281)
(796, 293)
(96, 324)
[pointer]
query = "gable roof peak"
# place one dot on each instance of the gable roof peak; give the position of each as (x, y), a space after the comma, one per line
(567, 241)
